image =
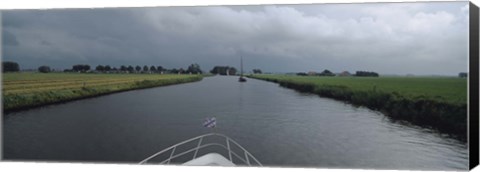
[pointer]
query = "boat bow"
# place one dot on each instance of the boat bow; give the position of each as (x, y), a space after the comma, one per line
(241, 155)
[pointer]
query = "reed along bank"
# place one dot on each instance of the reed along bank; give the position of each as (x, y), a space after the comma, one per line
(439, 103)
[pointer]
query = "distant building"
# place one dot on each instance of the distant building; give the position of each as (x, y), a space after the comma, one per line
(345, 73)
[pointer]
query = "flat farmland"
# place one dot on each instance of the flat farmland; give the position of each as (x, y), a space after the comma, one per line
(23, 90)
(445, 89)
(433, 102)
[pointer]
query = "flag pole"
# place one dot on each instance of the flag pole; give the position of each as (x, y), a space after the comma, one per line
(215, 127)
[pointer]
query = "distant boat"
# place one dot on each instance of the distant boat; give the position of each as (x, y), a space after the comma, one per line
(241, 79)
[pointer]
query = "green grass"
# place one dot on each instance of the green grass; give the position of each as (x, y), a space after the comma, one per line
(24, 90)
(446, 89)
(433, 102)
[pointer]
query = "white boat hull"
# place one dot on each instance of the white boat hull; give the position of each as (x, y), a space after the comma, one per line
(211, 159)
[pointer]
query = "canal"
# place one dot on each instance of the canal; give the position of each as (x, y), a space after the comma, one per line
(279, 126)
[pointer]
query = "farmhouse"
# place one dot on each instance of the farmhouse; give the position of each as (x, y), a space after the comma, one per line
(312, 73)
(345, 73)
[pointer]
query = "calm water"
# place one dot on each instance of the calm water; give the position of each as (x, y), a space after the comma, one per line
(281, 127)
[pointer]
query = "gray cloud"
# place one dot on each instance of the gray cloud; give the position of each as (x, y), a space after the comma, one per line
(8, 39)
(400, 38)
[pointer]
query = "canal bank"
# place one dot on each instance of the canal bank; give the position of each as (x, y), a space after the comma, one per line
(38, 89)
(446, 117)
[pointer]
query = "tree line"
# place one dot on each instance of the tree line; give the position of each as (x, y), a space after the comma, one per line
(227, 70)
(257, 71)
(344, 73)
(366, 73)
(223, 70)
(192, 69)
(9, 66)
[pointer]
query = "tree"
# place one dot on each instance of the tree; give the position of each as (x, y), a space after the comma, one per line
(232, 71)
(215, 70)
(81, 67)
(100, 68)
(160, 68)
(181, 71)
(257, 71)
(138, 68)
(108, 68)
(130, 69)
(145, 68)
(224, 70)
(463, 74)
(326, 73)
(194, 68)
(174, 70)
(44, 69)
(153, 69)
(365, 73)
(76, 68)
(123, 68)
(302, 74)
(86, 67)
(10, 66)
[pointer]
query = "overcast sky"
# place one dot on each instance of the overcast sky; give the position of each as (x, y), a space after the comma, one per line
(389, 38)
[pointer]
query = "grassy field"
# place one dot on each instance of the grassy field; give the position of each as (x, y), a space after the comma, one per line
(24, 90)
(433, 102)
(447, 89)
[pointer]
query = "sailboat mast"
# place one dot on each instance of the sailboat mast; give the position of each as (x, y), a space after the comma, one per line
(241, 65)
(241, 79)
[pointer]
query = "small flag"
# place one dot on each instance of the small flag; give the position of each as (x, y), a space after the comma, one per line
(210, 122)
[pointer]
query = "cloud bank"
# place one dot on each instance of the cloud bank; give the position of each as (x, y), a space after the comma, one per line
(389, 38)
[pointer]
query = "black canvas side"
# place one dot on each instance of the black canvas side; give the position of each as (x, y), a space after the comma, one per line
(473, 80)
